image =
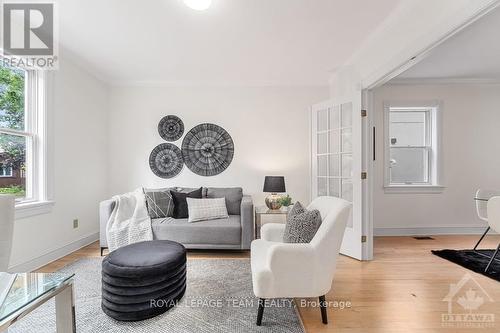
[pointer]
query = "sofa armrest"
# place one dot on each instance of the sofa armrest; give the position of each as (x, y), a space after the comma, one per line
(105, 209)
(247, 224)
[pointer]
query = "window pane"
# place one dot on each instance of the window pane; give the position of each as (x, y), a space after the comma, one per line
(13, 164)
(407, 128)
(347, 190)
(408, 165)
(323, 165)
(347, 115)
(322, 120)
(334, 141)
(334, 187)
(334, 166)
(346, 166)
(323, 143)
(347, 140)
(322, 186)
(11, 98)
(335, 117)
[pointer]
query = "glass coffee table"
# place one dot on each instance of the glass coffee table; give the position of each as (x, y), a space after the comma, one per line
(21, 293)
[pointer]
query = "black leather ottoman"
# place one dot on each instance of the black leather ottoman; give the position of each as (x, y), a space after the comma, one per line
(143, 280)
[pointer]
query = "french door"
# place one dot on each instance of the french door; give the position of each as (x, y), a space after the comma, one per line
(336, 161)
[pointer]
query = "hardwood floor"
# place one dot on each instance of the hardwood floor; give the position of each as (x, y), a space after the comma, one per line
(402, 290)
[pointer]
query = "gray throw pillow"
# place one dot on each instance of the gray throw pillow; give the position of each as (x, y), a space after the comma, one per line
(233, 196)
(301, 224)
(160, 204)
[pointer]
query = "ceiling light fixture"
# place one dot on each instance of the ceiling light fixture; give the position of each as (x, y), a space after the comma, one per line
(198, 4)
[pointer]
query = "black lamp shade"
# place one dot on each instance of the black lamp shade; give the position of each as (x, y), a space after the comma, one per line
(274, 184)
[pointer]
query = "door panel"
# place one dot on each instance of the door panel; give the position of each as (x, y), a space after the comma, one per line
(336, 161)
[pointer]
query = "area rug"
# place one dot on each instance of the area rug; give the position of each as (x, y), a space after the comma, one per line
(472, 260)
(218, 298)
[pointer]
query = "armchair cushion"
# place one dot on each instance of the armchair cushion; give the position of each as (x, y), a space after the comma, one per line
(301, 224)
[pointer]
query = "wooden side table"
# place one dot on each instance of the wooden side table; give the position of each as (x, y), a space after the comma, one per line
(263, 210)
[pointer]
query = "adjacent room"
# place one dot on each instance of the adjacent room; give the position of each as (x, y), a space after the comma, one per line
(250, 166)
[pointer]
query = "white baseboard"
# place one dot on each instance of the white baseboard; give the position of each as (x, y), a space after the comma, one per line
(429, 231)
(53, 255)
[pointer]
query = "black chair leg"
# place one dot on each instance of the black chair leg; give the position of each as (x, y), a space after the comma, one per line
(322, 305)
(102, 250)
(480, 239)
(492, 258)
(260, 313)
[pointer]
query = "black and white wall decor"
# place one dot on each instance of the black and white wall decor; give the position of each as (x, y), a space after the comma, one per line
(171, 128)
(207, 149)
(166, 160)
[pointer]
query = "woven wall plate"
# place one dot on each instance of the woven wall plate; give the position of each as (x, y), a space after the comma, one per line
(166, 160)
(171, 128)
(207, 149)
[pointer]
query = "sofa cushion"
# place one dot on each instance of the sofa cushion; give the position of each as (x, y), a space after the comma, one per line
(214, 232)
(233, 197)
(180, 203)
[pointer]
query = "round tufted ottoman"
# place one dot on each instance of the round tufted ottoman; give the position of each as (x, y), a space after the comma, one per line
(142, 280)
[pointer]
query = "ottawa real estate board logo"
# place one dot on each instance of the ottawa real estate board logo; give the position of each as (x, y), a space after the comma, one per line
(466, 299)
(29, 35)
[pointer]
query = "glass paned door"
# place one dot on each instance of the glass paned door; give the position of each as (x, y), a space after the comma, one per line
(336, 160)
(334, 151)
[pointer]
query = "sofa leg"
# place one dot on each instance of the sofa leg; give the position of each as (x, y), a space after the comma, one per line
(260, 313)
(322, 305)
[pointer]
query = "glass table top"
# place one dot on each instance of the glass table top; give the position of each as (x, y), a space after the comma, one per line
(20, 289)
(265, 210)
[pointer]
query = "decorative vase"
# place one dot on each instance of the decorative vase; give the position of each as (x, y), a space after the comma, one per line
(7, 202)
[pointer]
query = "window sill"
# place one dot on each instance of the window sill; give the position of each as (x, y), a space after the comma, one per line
(27, 209)
(414, 189)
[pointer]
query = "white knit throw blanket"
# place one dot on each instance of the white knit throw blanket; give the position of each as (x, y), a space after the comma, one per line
(129, 222)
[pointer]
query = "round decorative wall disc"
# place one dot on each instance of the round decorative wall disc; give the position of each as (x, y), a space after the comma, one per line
(171, 128)
(166, 160)
(207, 149)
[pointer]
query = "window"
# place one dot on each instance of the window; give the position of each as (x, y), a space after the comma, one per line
(412, 150)
(22, 135)
(5, 171)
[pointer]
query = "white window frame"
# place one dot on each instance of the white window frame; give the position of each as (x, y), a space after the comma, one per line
(36, 131)
(435, 177)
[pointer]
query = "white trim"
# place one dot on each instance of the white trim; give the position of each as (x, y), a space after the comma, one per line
(457, 230)
(54, 254)
(414, 189)
(27, 209)
(441, 81)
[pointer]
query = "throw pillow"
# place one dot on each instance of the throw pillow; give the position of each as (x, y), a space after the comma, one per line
(206, 209)
(301, 224)
(180, 203)
(233, 197)
(160, 204)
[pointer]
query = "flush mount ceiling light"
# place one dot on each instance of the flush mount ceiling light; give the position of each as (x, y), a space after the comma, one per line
(198, 4)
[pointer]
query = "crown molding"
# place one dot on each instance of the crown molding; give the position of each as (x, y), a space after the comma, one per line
(439, 81)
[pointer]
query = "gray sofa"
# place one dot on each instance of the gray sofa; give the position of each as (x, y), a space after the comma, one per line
(235, 232)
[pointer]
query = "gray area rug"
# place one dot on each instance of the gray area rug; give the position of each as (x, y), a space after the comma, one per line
(218, 298)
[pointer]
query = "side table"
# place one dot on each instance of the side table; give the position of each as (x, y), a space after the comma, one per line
(263, 210)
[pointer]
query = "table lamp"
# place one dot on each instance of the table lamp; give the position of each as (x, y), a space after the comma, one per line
(274, 185)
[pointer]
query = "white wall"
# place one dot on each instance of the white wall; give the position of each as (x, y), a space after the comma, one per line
(78, 123)
(471, 159)
(269, 127)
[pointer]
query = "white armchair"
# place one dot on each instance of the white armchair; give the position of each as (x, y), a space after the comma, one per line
(286, 270)
(493, 209)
